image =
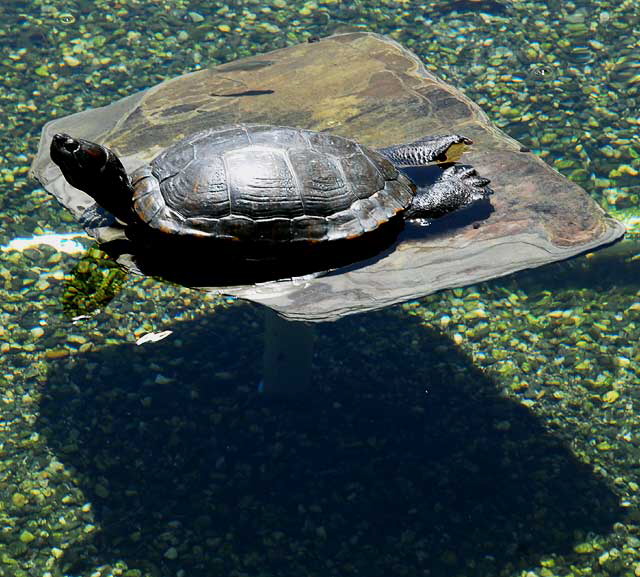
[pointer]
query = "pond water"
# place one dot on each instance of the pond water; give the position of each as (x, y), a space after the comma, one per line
(490, 430)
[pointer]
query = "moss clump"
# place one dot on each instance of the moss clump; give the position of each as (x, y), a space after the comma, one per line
(93, 282)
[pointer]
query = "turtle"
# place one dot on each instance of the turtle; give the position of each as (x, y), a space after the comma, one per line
(271, 185)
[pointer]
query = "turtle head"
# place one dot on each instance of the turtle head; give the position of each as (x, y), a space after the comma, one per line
(96, 170)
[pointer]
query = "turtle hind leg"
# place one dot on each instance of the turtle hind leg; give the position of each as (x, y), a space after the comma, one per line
(458, 186)
(441, 149)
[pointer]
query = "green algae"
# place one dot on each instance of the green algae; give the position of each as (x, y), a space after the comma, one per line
(92, 283)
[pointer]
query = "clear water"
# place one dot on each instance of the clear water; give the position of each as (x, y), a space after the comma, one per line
(491, 430)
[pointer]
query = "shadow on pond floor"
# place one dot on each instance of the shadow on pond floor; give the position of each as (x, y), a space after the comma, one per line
(614, 270)
(404, 461)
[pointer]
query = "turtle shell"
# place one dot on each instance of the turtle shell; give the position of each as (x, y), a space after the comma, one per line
(257, 183)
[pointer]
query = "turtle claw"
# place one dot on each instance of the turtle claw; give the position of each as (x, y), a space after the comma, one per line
(469, 181)
(468, 177)
(459, 186)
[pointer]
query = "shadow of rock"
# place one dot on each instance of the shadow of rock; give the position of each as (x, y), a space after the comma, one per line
(404, 461)
(610, 269)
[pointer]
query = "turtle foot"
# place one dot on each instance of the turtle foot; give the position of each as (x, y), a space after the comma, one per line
(458, 186)
(427, 150)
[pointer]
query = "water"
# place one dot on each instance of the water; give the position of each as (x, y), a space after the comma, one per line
(490, 430)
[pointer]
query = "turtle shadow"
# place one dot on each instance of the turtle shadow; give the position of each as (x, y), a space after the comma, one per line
(405, 460)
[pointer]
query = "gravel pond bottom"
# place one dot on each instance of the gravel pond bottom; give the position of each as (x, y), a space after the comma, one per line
(486, 431)
(490, 430)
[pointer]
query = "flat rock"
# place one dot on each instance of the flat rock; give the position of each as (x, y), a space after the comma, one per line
(369, 88)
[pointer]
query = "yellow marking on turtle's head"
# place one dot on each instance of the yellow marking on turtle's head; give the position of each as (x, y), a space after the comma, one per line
(455, 152)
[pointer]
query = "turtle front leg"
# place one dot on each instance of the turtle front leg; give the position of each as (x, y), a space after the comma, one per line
(427, 150)
(458, 186)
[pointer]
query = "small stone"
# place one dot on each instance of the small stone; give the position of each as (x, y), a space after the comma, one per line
(508, 111)
(56, 353)
(55, 258)
(57, 553)
(171, 553)
(270, 28)
(70, 60)
(611, 396)
(623, 362)
(27, 536)
(76, 339)
(476, 314)
(19, 500)
(583, 366)
(195, 17)
(37, 332)
(224, 28)
(627, 168)
(583, 548)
